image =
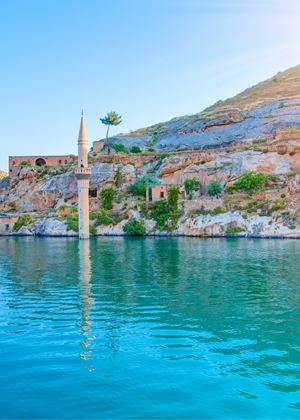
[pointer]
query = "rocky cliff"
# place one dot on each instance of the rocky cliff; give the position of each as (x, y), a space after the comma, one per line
(255, 134)
(255, 113)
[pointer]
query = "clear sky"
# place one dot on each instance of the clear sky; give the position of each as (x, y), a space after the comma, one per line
(149, 60)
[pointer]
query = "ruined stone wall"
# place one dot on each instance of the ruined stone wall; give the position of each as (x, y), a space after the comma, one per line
(15, 161)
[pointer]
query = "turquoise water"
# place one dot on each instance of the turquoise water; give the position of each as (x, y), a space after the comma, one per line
(149, 328)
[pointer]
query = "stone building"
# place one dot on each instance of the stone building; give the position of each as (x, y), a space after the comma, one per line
(159, 192)
(6, 223)
(98, 146)
(15, 161)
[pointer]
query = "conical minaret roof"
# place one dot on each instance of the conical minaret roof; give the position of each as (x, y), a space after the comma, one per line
(82, 136)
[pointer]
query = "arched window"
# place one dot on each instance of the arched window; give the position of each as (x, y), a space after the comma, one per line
(40, 162)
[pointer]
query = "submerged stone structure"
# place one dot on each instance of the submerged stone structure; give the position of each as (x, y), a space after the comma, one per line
(83, 174)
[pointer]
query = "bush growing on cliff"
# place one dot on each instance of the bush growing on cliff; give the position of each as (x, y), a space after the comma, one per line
(191, 185)
(23, 220)
(102, 217)
(93, 230)
(232, 230)
(25, 163)
(135, 149)
(173, 195)
(120, 148)
(134, 228)
(72, 223)
(165, 215)
(250, 181)
(214, 188)
(160, 213)
(118, 177)
(107, 195)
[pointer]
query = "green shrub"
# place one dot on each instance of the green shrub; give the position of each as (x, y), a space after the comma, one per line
(292, 227)
(160, 213)
(273, 178)
(118, 177)
(120, 148)
(102, 217)
(163, 155)
(25, 163)
(134, 228)
(173, 195)
(232, 230)
(250, 181)
(135, 149)
(107, 195)
(72, 223)
(214, 188)
(93, 230)
(191, 185)
(218, 210)
(197, 212)
(23, 220)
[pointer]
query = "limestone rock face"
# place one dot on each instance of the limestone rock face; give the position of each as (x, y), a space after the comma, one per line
(27, 173)
(64, 185)
(104, 173)
(111, 230)
(256, 113)
(294, 185)
(31, 193)
(224, 166)
(46, 227)
(254, 226)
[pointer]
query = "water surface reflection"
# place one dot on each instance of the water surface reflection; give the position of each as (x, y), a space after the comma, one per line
(131, 328)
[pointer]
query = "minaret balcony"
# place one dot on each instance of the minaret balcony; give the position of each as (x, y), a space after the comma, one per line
(83, 172)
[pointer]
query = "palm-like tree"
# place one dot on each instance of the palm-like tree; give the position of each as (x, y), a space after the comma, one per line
(111, 118)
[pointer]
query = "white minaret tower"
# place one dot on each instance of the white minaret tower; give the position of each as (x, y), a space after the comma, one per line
(83, 174)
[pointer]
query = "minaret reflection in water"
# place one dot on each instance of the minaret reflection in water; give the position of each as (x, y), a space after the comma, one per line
(86, 299)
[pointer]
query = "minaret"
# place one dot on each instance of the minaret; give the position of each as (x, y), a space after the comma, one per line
(83, 174)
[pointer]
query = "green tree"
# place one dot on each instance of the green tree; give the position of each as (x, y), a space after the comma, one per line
(250, 181)
(107, 196)
(139, 186)
(173, 195)
(214, 188)
(160, 213)
(111, 118)
(134, 228)
(191, 185)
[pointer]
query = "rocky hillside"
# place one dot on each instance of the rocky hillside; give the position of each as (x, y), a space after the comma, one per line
(2, 174)
(255, 113)
(239, 177)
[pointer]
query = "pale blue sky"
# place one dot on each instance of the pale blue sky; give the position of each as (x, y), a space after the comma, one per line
(148, 60)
